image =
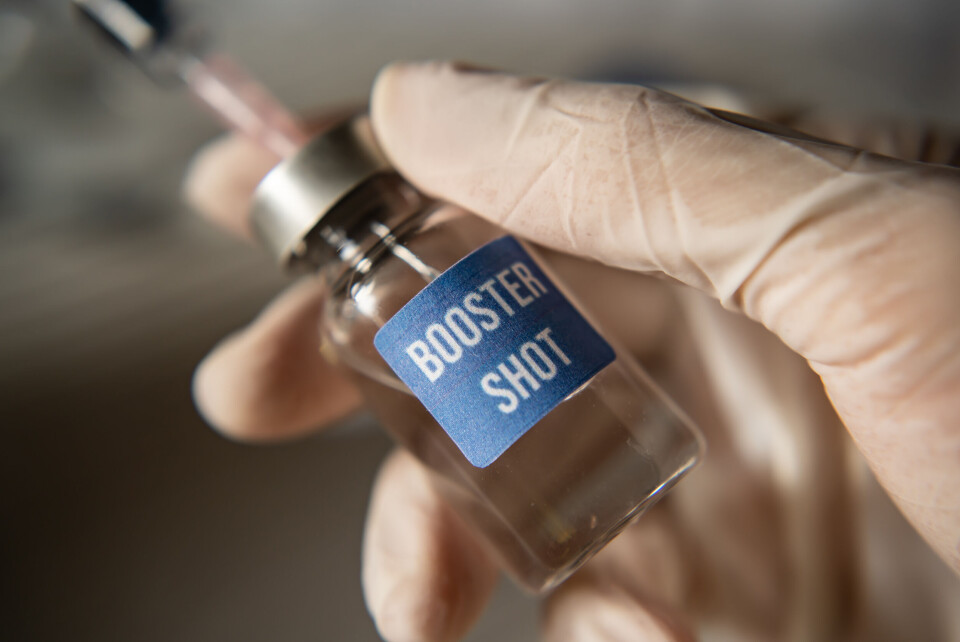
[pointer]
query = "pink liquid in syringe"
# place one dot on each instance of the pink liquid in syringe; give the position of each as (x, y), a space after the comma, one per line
(243, 104)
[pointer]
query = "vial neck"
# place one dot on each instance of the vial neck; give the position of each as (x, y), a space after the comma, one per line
(361, 225)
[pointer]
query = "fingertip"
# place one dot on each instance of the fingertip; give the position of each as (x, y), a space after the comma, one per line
(394, 100)
(207, 390)
(425, 577)
(406, 614)
(587, 608)
(385, 85)
(221, 178)
(412, 99)
(236, 392)
(394, 79)
(394, 75)
(269, 380)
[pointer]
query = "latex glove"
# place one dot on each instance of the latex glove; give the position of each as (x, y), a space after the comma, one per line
(849, 259)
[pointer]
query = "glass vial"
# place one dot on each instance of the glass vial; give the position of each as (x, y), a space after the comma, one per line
(545, 491)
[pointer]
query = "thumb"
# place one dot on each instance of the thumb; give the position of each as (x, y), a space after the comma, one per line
(850, 258)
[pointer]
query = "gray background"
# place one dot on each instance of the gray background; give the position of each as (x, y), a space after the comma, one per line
(124, 518)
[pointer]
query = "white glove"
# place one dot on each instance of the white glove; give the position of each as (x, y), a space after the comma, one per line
(851, 260)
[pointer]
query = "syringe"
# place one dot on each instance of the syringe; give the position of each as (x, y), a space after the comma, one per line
(146, 32)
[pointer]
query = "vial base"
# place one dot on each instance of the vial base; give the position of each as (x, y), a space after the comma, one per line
(567, 486)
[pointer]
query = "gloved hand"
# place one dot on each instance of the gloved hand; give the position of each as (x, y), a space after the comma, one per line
(842, 270)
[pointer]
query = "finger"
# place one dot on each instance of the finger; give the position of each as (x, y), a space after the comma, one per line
(651, 559)
(224, 173)
(269, 380)
(849, 258)
(631, 591)
(425, 578)
(222, 178)
(586, 609)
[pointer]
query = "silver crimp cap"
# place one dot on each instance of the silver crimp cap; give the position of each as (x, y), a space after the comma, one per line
(290, 201)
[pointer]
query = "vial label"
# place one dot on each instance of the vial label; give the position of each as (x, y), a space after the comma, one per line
(490, 347)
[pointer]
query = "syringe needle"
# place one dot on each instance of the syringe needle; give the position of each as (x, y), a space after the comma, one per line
(243, 104)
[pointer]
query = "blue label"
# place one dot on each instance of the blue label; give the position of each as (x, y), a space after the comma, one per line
(490, 347)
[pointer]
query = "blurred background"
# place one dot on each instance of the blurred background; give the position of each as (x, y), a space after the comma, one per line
(124, 517)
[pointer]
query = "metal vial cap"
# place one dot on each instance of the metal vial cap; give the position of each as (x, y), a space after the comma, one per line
(292, 199)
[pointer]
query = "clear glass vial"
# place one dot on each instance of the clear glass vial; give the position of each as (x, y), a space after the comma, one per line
(571, 482)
